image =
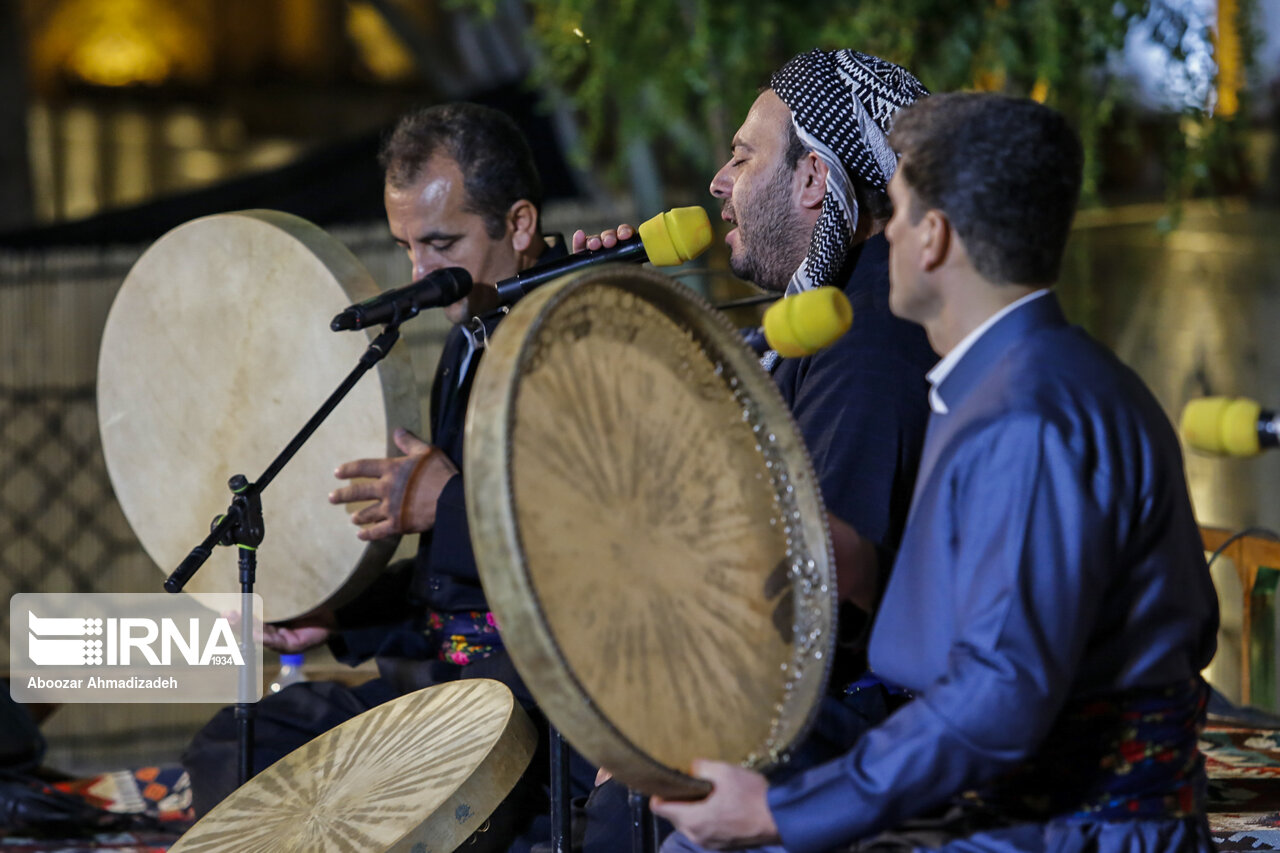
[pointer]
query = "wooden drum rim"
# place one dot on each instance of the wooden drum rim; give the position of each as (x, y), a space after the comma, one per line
(497, 539)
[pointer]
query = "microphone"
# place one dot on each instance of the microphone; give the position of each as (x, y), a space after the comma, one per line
(440, 288)
(666, 240)
(1229, 426)
(806, 322)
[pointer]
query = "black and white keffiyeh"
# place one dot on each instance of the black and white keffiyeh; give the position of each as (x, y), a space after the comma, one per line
(842, 104)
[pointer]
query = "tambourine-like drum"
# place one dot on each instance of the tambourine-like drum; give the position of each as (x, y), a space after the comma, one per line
(216, 351)
(420, 773)
(648, 529)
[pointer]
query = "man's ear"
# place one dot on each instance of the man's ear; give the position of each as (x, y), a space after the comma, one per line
(522, 220)
(811, 176)
(936, 240)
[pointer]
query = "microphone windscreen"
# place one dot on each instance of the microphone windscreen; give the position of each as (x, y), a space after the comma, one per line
(806, 322)
(675, 236)
(1222, 425)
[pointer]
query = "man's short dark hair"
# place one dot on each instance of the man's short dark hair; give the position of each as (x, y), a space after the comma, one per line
(874, 201)
(1005, 171)
(496, 163)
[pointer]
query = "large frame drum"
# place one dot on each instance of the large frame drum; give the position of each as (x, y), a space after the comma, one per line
(421, 773)
(216, 351)
(648, 529)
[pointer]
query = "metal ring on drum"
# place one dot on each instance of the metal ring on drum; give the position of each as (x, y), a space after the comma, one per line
(648, 529)
(422, 772)
(216, 350)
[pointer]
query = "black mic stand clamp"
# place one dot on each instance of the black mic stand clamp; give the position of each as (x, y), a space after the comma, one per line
(243, 527)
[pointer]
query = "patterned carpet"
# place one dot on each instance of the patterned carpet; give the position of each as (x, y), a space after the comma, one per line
(1244, 786)
(153, 805)
(1244, 799)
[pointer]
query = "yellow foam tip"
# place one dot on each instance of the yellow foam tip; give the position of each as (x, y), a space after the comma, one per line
(1239, 428)
(805, 323)
(1222, 425)
(675, 236)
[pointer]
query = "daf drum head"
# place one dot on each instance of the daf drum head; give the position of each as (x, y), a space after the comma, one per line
(648, 529)
(422, 772)
(216, 351)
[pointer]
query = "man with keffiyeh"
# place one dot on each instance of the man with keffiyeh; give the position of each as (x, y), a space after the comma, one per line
(805, 188)
(1050, 609)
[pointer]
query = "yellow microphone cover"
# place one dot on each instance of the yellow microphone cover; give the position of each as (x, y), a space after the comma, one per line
(675, 236)
(1199, 423)
(1222, 425)
(802, 324)
(1239, 428)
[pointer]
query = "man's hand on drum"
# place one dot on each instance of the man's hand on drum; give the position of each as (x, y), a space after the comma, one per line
(404, 489)
(735, 813)
(298, 635)
(604, 240)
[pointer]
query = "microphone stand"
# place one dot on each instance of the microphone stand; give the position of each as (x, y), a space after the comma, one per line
(242, 525)
(561, 819)
(748, 301)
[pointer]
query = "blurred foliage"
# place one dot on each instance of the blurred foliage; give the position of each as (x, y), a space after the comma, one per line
(682, 73)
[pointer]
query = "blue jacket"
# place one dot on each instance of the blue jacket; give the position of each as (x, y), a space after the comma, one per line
(1050, 555)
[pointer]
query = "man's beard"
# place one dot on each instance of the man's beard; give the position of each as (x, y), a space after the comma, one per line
(772, 239)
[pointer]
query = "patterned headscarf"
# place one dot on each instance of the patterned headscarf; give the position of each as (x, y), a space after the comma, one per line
(842, 103)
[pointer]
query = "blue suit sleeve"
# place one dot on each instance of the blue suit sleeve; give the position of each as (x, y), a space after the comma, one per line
(1029, 557)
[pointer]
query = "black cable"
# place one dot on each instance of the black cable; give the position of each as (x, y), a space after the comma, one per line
(1240, 534)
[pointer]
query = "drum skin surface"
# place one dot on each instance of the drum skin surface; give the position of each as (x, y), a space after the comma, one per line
(648, 529)
(419, 774)
(216, 351)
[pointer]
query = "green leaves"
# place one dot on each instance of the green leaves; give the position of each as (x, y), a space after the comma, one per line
(680, 74)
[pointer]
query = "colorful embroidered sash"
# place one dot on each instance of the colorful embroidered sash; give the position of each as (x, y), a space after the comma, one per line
(1129, 755)
(463, 637)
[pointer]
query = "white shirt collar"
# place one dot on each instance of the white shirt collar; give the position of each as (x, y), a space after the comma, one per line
(943, 368)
